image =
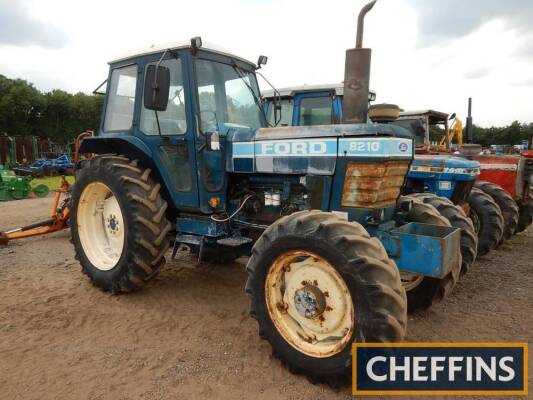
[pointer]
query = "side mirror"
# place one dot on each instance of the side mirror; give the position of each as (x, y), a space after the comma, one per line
(156, 88)
(262, 60)
(212, 141)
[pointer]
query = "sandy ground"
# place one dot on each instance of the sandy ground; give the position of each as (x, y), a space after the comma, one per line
(188, 334)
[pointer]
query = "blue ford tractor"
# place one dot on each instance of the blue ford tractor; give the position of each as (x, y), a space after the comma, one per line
(184, 150)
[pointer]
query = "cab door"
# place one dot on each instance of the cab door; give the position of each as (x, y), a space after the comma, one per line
(227, 99)
(172, 144)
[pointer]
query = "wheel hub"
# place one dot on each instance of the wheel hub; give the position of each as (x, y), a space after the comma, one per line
(309, 301)
(112, 224)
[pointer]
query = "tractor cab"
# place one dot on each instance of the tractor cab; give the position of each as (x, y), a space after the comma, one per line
(173, 108)
(432, 129)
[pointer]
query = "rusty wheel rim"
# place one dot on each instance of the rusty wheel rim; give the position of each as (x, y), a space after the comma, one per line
(309, 303)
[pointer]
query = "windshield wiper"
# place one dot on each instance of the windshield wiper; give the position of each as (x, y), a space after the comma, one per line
(257, 101)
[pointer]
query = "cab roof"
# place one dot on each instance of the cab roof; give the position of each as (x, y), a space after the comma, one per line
(161, 47)
(433, 115)
(290, 91)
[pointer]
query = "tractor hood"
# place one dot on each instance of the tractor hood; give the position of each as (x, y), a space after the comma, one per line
(314, 149)
(343, 130)
(456, 167)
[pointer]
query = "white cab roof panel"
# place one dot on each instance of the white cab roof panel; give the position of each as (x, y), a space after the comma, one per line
(159, 48)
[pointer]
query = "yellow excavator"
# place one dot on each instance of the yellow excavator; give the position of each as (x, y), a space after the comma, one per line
(454, 131)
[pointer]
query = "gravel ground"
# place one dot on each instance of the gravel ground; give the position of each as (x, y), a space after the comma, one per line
(188, 334)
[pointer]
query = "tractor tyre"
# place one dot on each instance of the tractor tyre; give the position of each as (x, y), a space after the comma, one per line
(458, 219)
(524, 219)
(119, 228)
(507, 205)
(423, 291)
(487, 219)
(316, 284)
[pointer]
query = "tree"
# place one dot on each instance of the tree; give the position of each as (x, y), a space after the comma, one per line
(57, 115)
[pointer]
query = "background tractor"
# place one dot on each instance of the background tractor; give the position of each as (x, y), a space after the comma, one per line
(506, 179)
(493, 212)
(183, 148)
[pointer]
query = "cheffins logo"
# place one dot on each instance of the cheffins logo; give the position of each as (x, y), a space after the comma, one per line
(403, 147)
(440, 368)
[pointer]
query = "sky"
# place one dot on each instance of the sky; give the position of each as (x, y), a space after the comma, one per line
(425, 53)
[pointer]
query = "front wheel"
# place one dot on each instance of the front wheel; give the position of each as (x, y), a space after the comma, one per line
(118, 225)
(318, 283)
(487, 219)
(507, 205)
(458, 219)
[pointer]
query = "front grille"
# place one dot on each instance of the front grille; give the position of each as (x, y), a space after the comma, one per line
(373, 185)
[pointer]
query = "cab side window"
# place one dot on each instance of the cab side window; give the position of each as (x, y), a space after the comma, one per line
(172, 121)
(121, 99)
(287, 107)
(316, 111)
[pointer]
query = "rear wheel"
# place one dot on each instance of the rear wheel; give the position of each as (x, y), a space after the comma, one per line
(507, 205)
(118, 225)
(487, 219)
(423, 291)
(318, 283)
(458, 219)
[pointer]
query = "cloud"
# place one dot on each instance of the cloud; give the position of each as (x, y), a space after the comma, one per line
(522, 82)
(451, 19)
(525, 48)
(19, 28)
(477, 73)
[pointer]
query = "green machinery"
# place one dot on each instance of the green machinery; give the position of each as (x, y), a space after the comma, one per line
(13, 187)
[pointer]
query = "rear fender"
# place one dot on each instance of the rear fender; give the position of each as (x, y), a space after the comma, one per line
(131, 147)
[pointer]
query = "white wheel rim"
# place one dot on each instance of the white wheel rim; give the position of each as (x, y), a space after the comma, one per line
(100, 226)
(410, 280)
(309, 303)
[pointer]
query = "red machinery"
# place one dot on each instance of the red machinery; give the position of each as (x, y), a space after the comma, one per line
(515, 175)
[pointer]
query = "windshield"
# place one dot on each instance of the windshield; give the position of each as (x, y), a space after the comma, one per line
(228, 97)
(287, 108)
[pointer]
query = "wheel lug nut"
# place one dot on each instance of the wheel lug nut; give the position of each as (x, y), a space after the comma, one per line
(282, 306)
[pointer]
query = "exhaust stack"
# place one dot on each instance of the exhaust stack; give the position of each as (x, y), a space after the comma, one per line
(357, 75)
(469, 134)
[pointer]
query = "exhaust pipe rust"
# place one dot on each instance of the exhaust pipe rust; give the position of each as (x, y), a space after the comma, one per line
(357, 75)
(361, 23)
